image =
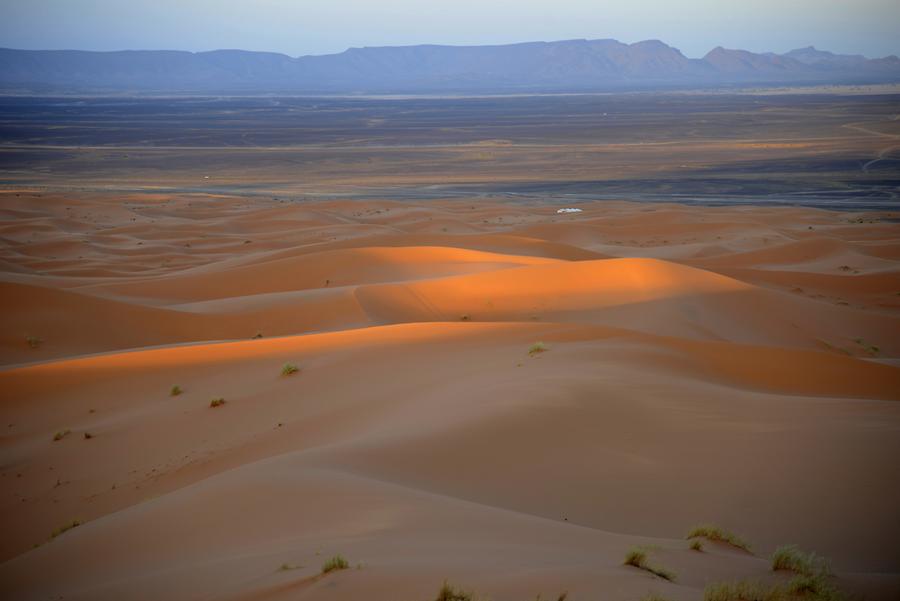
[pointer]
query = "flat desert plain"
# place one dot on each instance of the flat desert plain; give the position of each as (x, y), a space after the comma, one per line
(482, 392)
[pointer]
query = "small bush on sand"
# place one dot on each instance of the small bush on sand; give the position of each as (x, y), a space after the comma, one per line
(536, 348)
(61, 434)
(288, 369)
(335, 563)
(815, 587)
(743, 591)
(805, 587)
(88, 436)
(175, 390)
(791, 558)
(216, 403)
(65, 528)
(637, 557)
(714, 533)
(450, 593)
(34, 341)
(696, 545)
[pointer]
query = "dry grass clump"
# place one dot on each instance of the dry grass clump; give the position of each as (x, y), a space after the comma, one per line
(637, 557)
(175, 390)
(216, 403)
(743, 590)
(338, 562)
(34, 341)
(61, 434)
(808, 587)
(288, 369)
(65, 528)
(537, 347)
(790, 557)
(715, 533)
(450, 593)
(696, 545)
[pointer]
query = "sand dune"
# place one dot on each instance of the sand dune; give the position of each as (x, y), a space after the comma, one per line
(697, 365)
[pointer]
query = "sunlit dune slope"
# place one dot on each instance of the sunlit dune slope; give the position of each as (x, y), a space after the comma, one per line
(487, 393)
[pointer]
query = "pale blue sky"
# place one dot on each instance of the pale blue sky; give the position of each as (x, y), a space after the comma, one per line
(298, 27)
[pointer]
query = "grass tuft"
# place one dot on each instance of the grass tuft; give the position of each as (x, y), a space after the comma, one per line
(790, 557)
(450, 593)
(61, 434)
(537, 347)
(715, 533)
(34, 341)
(637, 557)
(288, 369)
(65, 528)
(806, 587)
(88, 436)
(743, 590)
(338, 562)
(696, 545)
(216, 403)
(175, 390)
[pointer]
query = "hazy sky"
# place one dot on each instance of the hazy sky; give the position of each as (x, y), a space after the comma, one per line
(298, 27)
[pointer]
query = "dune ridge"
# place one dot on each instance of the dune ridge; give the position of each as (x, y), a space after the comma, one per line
(694, 365)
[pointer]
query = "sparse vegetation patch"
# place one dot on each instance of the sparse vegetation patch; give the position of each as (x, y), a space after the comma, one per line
(451, 593)
(288, 369)
(175, 390)
(338, 562)
(637, 557)
(791, 558)
(65, 528)
(537, 348)
(715, 533)
(216, 403)
(61, 434)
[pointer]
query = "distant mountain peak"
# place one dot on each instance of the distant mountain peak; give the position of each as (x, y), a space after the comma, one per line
(567, 65)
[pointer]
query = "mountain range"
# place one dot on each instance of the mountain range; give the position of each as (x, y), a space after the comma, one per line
(571, 65)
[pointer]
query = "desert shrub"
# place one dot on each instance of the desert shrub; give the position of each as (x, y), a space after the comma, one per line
(537, 347)
(61, 434)
(34, 341)
(696, 545)
(288, 369)
(450, 593)
(715, 533)
(743, 590)
(65, 528)
(815, 587)
(791, 558)
(637, 557)
(216, 402)
(338, 562)
(175, 390)
(806, 587)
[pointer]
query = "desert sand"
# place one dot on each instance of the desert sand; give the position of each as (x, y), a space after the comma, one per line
(730, 365)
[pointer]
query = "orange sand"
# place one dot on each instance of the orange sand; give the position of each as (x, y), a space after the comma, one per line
(731, 365)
